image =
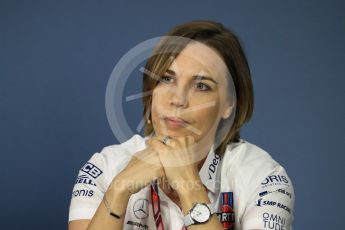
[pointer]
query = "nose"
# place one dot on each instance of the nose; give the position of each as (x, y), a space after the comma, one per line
(179, 98)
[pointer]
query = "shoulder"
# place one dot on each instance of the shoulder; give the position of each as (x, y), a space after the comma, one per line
(124, 149)
(245, 154)
(113, 158)
(253, 166)
(261, 186)
(96, 174)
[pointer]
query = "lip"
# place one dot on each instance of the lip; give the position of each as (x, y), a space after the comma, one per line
(175, 122)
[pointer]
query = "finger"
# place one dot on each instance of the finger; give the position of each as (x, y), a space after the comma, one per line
(158, 145)
(169, 141)
(190, 140)
(149, 141)
(147, 155)
(162, 139)
(182, 141)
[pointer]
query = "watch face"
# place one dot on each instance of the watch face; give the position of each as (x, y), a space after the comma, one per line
(200, 213)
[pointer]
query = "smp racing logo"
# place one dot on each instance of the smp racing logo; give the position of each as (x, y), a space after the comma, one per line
(262, 202)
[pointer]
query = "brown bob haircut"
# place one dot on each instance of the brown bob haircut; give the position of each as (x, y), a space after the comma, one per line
(227, 45)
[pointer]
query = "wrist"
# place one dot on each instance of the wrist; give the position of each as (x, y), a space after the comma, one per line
(189, 187)
(185, 177)
(116, 200)
(192, 195)
(119, 189)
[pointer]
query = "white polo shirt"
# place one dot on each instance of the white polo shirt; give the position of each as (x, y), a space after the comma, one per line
(261, 191)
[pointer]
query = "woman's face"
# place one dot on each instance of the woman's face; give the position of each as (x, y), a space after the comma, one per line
(191, 97)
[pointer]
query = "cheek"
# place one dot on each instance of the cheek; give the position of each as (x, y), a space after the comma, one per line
(157, 103)
(156, 98)
(206, 121)
(210, 113)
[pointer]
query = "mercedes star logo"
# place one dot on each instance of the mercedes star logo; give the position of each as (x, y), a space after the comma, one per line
(140, 208)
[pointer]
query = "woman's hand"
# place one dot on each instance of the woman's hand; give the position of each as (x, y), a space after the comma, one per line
(179, 159)
(144, 167)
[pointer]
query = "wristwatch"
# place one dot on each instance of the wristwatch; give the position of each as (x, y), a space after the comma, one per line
(199, 214)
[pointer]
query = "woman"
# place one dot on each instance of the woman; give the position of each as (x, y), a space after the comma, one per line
(191, 170)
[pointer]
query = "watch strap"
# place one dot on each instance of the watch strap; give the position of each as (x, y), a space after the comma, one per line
(188, 220)
(212, 209)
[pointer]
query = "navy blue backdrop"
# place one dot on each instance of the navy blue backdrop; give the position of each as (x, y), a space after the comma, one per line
(56, 58)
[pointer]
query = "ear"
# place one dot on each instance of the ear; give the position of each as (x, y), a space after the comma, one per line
(227, 111)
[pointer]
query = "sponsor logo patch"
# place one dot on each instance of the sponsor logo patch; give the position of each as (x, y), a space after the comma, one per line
(262, 202)
(91, 170)
(273, 221)
(82, 192)
(227, 215)
(213, 165)
(140, 208)
(280, 190)
(83, 179)
(275, 180)
(138, 225)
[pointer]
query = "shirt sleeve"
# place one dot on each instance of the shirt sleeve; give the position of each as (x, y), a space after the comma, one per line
(88, 189)
(271, 205)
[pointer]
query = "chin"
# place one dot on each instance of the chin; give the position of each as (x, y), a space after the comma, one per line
(171, 133)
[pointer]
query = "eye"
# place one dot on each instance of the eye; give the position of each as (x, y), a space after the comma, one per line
(166, 79)
(202, 86)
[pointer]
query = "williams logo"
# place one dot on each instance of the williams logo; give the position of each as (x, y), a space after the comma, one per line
(140, 208)
(83, 179)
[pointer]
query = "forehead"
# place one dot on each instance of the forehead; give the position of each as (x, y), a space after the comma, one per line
(197, 57)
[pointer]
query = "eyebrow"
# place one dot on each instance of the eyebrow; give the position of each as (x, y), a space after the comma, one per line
(196, 77)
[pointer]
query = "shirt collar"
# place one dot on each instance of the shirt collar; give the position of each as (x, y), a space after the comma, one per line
(209, 174)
